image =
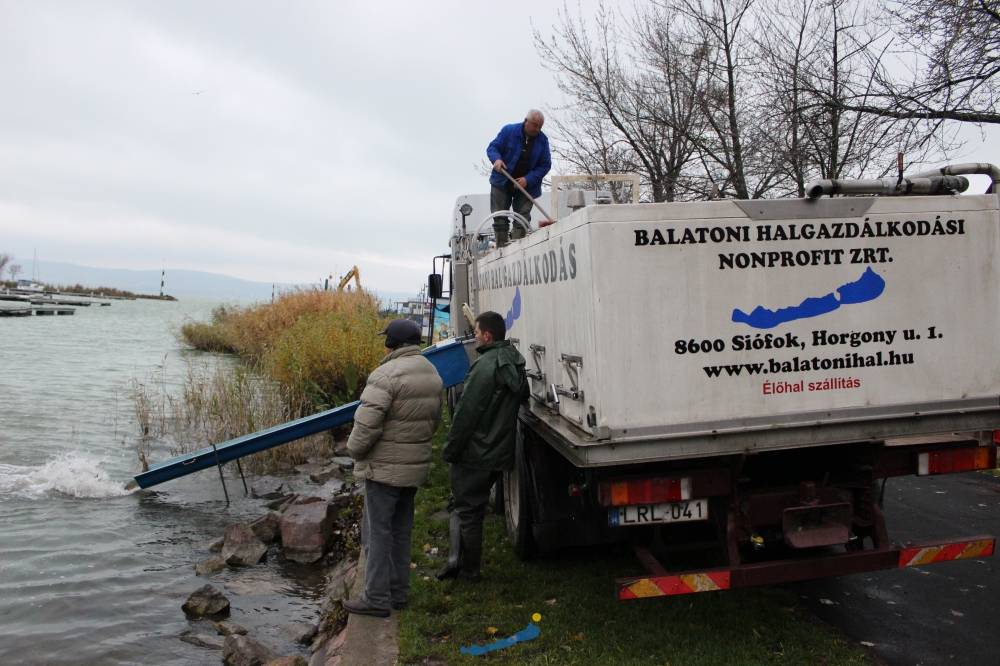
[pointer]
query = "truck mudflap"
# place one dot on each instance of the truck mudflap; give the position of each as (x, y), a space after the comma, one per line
(660, 583)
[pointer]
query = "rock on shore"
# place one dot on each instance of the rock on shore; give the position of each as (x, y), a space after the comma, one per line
(226, 628)
(242, 548)
(240, 650)
(206, 601)
(268, 487)
(206, 641)
(306, 530)
(212, 565)
(267, 528)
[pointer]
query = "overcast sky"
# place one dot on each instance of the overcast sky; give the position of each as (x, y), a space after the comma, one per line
(272, 141)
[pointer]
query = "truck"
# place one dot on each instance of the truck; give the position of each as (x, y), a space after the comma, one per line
(727, 385)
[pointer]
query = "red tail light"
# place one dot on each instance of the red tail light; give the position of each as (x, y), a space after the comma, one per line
(644, 491)
(957, 460)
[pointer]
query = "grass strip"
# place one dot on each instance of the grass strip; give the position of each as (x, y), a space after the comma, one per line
(581, 621)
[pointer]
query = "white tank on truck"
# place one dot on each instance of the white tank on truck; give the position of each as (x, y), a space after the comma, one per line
(738, 379)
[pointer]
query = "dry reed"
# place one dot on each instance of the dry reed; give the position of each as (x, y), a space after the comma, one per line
(307, 351)
(320, 345)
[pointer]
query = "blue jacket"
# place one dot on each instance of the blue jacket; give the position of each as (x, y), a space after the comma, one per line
(507, 147)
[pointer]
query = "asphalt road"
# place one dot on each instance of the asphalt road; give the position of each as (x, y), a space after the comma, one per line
(946, 613)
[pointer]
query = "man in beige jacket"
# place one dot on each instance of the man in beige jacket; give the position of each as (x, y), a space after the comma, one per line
(391, 445)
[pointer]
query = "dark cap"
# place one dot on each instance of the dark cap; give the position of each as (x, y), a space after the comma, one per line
(401, 332)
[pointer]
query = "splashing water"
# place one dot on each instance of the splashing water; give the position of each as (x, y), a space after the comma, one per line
(73, 474)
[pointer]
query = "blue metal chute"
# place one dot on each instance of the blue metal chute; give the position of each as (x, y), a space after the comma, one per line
(449, 357)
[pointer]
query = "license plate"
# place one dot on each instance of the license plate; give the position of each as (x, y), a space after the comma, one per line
(649, 514)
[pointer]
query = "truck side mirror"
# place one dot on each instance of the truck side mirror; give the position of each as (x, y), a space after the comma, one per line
(434, 285)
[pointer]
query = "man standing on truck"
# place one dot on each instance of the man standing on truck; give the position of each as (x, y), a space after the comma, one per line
(391, 442)
(521, 149)
(481, 441)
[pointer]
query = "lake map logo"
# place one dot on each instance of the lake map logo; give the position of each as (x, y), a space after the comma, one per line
(866, 288)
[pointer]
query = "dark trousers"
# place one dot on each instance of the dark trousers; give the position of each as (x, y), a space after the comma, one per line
(471, 490)
(386, 532)
(501, 198)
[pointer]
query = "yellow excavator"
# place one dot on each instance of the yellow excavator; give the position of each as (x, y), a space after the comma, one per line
(353, 273)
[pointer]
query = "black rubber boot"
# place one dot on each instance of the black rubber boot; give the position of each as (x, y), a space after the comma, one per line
(501, 233)
(362, 607)
(452, 567)
(447, 571)
(472, 554)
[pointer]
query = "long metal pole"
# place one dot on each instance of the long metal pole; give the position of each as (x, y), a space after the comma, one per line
(218, 464)
(525, 193)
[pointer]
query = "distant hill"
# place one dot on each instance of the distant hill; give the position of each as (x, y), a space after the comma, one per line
(179, 283)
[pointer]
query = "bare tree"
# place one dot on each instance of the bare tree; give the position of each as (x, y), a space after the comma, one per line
(14, 270)
(737, 98)
(716, 28)
(958, 47)
(810, 51)
(4, 260)
(787, 43)
(672, 85)
(614, 122)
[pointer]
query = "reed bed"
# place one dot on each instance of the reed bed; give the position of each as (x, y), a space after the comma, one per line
(306, 352)
(233, 401)
(218, 404)
(209, 336)
(320, 345)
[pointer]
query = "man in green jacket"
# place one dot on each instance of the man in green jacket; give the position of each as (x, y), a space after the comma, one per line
(481, 441)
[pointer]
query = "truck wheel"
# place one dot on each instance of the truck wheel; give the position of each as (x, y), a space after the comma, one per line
(517, 500)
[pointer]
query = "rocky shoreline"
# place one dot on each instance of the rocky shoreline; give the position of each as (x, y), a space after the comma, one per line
(312, 520)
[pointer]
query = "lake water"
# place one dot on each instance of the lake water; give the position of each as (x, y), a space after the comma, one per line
(90, 573)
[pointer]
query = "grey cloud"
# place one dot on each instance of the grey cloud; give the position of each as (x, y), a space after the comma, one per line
(324, 129)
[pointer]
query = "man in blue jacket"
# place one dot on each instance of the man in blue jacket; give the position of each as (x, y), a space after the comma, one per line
(523, 150)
